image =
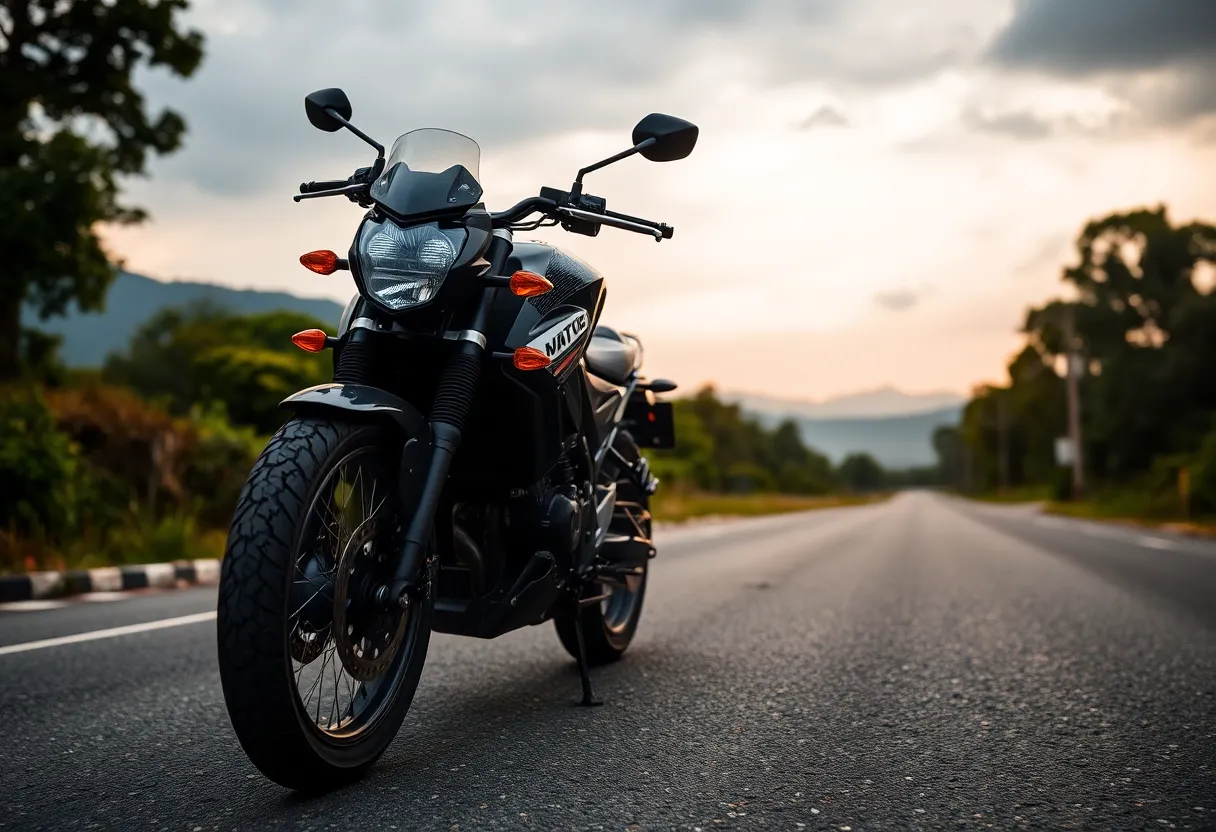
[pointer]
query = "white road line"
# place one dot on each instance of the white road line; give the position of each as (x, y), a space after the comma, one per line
(1156, 542)
(1050, 522)
(31, 606)
(113, 632)
(104, 597)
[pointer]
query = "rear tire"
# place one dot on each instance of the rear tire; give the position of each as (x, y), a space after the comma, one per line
(264, 648)
(609, 627)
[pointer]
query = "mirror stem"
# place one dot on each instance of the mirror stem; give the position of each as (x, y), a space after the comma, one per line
(352, 128)
(577, 190)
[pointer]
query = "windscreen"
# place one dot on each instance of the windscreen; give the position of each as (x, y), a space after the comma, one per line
(429, 170)
(433, 151)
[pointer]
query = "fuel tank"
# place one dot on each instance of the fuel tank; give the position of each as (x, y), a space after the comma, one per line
(559, 322)
(515, 434)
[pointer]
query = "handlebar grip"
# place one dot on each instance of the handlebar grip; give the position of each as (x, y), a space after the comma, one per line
(323, 185)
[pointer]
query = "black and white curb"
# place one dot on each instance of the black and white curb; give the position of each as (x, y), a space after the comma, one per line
(39, 585)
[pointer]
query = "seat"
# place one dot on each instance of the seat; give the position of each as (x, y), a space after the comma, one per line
(612, 356)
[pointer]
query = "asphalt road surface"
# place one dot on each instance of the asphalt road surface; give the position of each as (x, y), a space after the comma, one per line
(924, 663)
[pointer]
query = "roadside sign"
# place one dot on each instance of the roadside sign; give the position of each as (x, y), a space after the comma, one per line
(1064, 455)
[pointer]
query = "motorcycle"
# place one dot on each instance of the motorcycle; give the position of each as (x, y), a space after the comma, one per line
(475, 466)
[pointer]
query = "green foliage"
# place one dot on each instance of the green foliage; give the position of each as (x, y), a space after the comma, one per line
(1145, 331)
(1203, 478)
(719, 449)
(142, 539)
(39, 467)
(216, 466)
(72, 124)
(861, 473)
(204, 355)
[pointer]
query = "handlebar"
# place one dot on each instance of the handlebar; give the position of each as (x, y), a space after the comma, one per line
(522, 208)
(552, 208)
(518, 211)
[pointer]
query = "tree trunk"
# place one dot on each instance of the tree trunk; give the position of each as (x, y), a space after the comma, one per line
(10, 337)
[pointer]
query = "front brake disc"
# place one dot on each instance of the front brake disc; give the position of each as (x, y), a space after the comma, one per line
(367, 636)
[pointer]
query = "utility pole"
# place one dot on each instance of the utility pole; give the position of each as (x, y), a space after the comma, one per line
(1002, 426)
(1071, 380)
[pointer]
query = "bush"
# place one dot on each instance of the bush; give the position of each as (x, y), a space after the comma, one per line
(216, 466)
(39, 472)
(1203, 477)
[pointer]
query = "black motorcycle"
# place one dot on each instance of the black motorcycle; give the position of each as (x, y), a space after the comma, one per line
(473, 468)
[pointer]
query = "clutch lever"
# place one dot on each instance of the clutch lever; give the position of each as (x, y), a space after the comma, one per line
(343, 191)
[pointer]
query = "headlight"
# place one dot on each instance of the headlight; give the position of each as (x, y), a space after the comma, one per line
(404, 267)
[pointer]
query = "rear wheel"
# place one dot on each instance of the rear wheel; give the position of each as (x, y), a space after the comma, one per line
(317, 677)
(609, 626)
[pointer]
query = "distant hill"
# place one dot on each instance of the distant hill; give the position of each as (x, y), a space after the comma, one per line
(895, 441)
(870, 404)
(133, 299)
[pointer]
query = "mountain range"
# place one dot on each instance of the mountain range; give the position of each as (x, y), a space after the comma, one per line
(88, 337)
(895, 428)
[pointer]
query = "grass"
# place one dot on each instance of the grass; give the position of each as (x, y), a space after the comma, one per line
(170, 538)
(1022, 494)
(1117, 512)
(674, 507)
(177, 537)
(1127, 507)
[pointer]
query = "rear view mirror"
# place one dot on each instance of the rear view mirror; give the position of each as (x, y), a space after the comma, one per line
(316, 103)
(674, 138)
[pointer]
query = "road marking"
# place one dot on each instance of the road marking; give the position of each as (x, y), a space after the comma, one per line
(1051, 522)
(104, 597)
(1156, 542)
(31, 606)
(113, 632)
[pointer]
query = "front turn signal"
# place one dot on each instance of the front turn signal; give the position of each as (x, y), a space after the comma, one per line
(321, 262)
(529, 358)
(529, 284)
(310, 340)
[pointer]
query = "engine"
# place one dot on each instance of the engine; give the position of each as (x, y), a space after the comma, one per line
(548, 516)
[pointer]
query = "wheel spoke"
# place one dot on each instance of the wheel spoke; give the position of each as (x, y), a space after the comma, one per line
(350, 524)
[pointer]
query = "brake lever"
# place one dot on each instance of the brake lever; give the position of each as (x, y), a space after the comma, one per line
(624, 225)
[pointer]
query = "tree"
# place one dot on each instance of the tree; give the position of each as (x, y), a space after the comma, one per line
(204, 354)
(72, 124)
(860, 472)
(1144, 322)
(1147, 331)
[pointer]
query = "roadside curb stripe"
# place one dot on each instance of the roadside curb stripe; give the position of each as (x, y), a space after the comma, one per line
(42, 585)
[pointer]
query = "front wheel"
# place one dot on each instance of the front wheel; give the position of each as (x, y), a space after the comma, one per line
(316, 676)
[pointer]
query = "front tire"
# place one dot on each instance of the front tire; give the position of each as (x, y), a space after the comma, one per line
(316, 679)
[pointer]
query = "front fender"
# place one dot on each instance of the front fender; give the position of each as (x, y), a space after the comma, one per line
(364, 400)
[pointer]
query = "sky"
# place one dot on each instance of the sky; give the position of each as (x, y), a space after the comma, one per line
(880, 188)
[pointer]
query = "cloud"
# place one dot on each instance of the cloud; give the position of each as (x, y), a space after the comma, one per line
(1018, 125)
(545, 68)
(899, 300)
(1025, 124)
(825, 116)
(1082, 37)
(1159, 56)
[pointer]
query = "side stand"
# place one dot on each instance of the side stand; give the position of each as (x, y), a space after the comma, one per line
(589, 701)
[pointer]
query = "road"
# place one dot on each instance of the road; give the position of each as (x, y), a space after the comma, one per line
(923, 663)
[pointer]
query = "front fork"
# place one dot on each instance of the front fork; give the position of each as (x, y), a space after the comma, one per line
(453, 401)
